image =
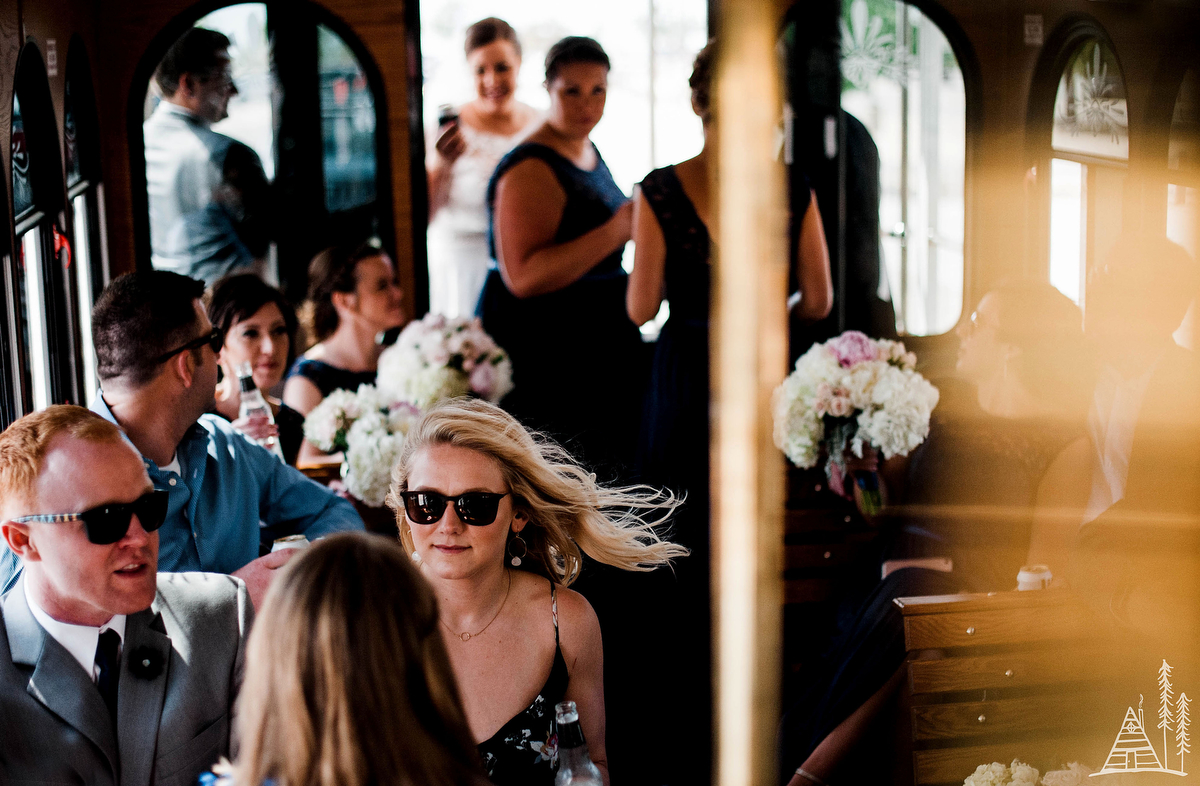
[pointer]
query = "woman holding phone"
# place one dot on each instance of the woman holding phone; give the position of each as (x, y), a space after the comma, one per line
(469, 142)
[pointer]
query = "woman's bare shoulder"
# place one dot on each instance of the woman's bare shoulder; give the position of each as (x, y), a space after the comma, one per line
(578, 626)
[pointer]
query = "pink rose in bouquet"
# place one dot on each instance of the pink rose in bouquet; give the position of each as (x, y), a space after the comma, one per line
(852, 348)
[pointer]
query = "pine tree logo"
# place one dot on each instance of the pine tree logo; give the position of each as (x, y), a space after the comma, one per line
(1132, 751)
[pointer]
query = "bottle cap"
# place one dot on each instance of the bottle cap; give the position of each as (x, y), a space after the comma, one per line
(1034, 577)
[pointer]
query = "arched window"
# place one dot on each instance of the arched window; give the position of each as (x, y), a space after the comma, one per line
(85, 192)
(301, 120)
(1183, 167)
(1089, 150)
(49, 331)
(902, 81)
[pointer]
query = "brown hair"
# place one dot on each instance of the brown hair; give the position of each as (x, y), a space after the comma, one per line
(701, 79)
(486, 31)
(333, 270)
(347, 680)
(574, 49)
(569, 513)
(23, 445)
(197, 52)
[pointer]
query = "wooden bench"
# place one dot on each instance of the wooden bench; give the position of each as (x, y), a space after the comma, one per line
(1013, 675)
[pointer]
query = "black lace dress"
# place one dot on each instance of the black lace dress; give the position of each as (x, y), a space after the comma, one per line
(578, 360)
(524, 752)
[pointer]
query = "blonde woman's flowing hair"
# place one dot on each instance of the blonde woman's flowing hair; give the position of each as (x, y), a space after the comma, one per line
(568, 510)
(347, 681)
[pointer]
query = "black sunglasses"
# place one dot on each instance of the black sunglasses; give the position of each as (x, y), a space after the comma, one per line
(107, 524)
(477, 508)
(215, 339)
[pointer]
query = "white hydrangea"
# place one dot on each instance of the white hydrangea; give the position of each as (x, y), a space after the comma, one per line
(326, 425)
(891, 402)
(1075, 774)
(371, 454)
(997, 774)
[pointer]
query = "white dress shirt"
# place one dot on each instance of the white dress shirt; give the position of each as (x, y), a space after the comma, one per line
(1111, 422)
(79, 640)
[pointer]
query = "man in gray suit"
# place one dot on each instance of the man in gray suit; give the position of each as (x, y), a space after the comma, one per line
(110, 673)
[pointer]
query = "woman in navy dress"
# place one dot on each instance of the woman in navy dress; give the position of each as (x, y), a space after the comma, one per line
(673, 233)
(555, 299)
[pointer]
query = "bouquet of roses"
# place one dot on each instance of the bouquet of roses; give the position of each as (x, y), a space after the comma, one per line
(434, 359)
(849, 392)
(437, 358)
(368, 430)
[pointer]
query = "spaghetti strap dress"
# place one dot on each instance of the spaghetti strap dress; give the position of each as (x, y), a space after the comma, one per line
(524, 752)
(579, 363)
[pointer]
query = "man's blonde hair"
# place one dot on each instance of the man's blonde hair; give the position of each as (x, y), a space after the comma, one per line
(23, 446)
(570, 514)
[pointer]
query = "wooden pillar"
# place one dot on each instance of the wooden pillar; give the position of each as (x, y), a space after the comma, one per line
(749, 358)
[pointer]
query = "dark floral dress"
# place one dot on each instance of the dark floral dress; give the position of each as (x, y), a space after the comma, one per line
(524, 752)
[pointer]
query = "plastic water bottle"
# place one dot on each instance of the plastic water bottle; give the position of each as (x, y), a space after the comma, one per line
(575, 767)
(253, 405)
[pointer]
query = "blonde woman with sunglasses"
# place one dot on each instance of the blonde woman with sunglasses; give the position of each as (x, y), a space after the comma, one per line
(498, 521)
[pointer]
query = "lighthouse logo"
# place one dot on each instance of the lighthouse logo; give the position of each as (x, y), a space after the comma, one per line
(1132, 751)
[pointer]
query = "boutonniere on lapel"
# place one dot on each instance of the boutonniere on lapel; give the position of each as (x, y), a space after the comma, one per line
(145, 662)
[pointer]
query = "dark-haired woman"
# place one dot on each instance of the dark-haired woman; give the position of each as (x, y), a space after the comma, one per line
(463, 157)
(556, 299)
(353, 297)
(259, 327)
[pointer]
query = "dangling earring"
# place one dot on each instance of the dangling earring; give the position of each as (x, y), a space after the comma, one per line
(516, 558)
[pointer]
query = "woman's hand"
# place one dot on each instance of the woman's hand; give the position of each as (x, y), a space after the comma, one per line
(257, 428)
(450, 143)
(621, 222)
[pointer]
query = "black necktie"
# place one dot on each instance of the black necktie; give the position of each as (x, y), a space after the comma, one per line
(108, 662)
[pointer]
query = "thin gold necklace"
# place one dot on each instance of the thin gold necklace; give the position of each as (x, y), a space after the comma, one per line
(466, 635)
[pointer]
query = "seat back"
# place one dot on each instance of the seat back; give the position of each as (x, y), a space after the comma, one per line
(1013, 675)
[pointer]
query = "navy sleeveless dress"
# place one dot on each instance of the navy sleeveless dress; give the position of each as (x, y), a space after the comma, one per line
(524, 752)
(329, 378)
(674, 446)
(579, 363)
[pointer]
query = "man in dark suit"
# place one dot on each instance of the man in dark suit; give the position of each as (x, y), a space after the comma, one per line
(110, 673)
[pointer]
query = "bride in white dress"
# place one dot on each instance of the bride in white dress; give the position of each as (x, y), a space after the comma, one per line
(461, 162)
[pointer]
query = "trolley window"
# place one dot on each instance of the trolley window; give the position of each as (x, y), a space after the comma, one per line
(1090, 148)
(903, 82)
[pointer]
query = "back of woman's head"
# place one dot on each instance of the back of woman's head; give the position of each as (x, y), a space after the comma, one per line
(239, 297)
(333, 270)
(703, 69)
(347, 682)
(489, 30)
(568, 510)
(571, 50)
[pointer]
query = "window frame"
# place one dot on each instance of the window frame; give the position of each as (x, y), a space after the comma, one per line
(304, 227)
(47, 218)
(1060, 48)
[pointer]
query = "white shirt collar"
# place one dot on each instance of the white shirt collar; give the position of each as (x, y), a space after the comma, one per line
(79, 640)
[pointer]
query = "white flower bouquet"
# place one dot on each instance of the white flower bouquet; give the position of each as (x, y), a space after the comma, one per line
(437, 358)
(849, 392)
(434, 359)
(1020, 774)
(368, 430)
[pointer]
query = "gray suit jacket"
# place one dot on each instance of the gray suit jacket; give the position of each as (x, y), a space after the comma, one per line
(173, 722)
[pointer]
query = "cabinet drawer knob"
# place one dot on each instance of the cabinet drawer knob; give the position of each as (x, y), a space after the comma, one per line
(1008, 672)
(971, 631)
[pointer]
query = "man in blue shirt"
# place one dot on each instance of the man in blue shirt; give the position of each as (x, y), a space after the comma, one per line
(156, 353)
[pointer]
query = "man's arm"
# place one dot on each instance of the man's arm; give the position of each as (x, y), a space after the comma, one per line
(291, 502)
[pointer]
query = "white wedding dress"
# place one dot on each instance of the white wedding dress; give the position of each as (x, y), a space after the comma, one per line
(457, 238)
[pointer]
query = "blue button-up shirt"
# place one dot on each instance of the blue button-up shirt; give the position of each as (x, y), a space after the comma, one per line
(228, 487)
